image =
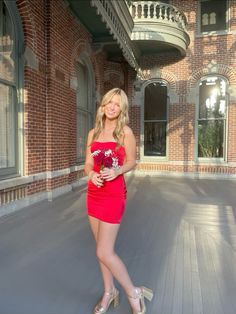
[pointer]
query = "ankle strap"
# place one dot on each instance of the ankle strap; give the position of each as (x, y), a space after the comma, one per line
(137, 294)
(111, 292)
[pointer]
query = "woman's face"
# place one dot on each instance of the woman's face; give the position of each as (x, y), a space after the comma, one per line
(112, 109)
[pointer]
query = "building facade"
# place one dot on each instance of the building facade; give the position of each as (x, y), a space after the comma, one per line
(175, 60)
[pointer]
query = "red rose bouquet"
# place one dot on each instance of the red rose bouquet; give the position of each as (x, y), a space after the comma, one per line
(106, 158)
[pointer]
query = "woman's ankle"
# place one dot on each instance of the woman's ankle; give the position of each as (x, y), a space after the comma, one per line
(133, 292)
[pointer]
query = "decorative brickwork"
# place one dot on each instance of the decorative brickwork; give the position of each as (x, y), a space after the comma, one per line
(12, 194)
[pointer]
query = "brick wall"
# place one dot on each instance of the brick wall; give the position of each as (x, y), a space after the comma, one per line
(205, 55)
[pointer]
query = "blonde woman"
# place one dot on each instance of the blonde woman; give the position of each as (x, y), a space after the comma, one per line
(111, 152)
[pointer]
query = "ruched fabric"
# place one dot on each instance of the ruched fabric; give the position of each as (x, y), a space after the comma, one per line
(107, 203)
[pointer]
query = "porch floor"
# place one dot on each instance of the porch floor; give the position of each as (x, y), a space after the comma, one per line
(178, 237)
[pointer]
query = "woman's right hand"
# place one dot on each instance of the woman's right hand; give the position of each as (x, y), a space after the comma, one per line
(96, 178)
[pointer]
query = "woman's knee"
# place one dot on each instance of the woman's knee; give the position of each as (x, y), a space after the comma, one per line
(104, 255)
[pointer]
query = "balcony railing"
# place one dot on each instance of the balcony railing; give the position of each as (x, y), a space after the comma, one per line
(160, 23)
(120, 24)
(155, 10)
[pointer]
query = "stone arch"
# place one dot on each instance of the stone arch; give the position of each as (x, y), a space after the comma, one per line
(217, 69)
(28, 24)
(111, 76)
(79, 47)
(212, 69)
(171, 78)
(164, 74)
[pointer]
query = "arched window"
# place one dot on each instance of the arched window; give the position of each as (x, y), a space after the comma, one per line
(85, 105)
(10, 35)
(212, 117)
(155, 119)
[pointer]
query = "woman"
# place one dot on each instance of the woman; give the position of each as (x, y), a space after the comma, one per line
(111, 152)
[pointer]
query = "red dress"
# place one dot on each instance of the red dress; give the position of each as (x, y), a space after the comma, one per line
(107, 203)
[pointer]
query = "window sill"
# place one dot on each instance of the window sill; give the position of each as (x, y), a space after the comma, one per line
(213, 161)
(13, 182)
(153, 159)
(213, 33)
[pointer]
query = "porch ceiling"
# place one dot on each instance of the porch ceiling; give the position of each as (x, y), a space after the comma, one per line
(88, 16)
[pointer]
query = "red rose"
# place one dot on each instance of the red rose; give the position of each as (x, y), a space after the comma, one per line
(99, 158)
(107, 162)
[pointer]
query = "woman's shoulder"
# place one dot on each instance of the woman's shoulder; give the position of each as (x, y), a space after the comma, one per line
(127, 130)
(129, 137)
(90, 136)
(91, 132)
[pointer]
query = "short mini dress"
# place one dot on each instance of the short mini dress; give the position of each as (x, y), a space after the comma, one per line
(107, 203)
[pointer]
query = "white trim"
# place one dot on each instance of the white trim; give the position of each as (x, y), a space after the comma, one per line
(58, 191)
(144, 158)
(225, 137)
(207, 162)
(219, 33)
(12, 182)
(191, 175)
(9, 183)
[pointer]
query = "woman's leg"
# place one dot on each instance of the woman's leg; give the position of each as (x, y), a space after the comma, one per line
(106, 273)
(106, 237)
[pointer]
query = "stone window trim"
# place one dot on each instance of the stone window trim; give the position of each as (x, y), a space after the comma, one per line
(84, 59)
(144, 158)
(227, 31)
(212, 160)
(18, 34)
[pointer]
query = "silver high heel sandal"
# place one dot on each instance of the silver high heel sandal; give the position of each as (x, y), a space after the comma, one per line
(114, 297)
(141, 295)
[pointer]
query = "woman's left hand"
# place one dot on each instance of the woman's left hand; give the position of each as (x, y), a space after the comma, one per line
(109, 174)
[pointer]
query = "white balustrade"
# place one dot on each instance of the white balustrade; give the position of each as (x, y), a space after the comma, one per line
(159, 11)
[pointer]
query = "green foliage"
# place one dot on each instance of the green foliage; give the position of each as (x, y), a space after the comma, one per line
(210, 138)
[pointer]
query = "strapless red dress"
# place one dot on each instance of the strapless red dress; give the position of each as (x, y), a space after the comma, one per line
(107, 203)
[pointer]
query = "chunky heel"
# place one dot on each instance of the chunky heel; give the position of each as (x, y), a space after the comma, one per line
(141, 294)
(148, 293)
(113, 297)
(116, 300)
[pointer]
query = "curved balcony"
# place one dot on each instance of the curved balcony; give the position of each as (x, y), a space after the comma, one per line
(159, 27)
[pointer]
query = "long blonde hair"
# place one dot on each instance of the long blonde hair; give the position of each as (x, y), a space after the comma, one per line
(122, 120)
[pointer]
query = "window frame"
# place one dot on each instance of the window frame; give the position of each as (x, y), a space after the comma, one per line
(142, 121)
(18, 52)
(217, 32)
(225, 135)
(85, 60)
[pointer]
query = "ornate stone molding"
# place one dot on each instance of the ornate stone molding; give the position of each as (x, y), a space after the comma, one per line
(112, 15)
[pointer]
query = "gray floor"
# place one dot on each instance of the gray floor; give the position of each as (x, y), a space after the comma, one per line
(178, 236)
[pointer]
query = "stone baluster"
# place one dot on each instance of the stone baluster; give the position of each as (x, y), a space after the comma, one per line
(148, 12)
(155, 10)
(165, 13)
(142, 10)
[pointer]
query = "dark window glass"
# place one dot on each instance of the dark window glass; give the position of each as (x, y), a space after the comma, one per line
(155, 119)
(213, 15)
(212, 117)
(8, 102)
(84, 109)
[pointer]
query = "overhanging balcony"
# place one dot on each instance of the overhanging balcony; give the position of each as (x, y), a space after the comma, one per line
(110, 24)
(159, 27)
